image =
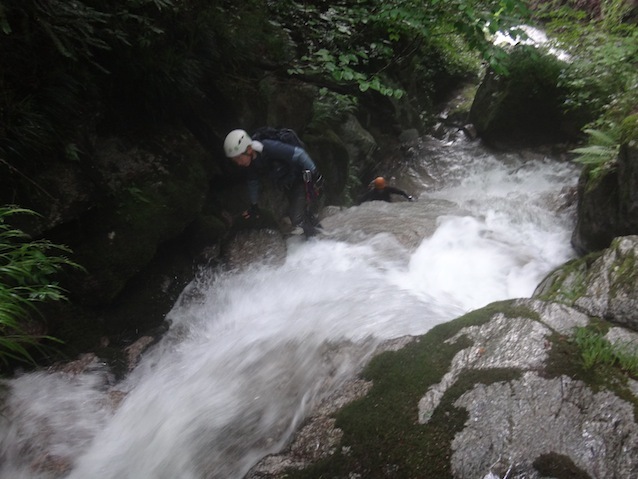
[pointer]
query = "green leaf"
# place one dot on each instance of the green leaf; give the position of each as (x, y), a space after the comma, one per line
(600, 138)
(26, 269)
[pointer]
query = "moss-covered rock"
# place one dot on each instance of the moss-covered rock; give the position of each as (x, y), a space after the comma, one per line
(524, 107)
(154, 191)
(608, 207)
(333, 160)
(603, 285)
(490, 392)
(629, 130)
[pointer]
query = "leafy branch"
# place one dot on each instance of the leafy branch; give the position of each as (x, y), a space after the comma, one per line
(355, 44)
(27, 268)
(600, 154)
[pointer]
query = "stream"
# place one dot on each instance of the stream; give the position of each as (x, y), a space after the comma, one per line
(251, 350)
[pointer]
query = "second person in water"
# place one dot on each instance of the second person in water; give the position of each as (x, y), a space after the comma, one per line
(379, 190)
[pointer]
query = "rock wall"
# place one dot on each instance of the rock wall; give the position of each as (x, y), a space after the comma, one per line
(608, 206)
(603, 284)
(524, 107)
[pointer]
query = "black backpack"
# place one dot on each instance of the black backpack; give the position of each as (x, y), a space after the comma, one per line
(285, 135)
(281, 173)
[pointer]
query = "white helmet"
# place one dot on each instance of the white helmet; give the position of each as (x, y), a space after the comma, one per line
(236, 142)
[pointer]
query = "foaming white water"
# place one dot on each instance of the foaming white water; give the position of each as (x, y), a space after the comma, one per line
(246, 358)
(515, 232)
(248, 353)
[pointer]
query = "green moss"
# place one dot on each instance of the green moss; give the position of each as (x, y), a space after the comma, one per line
(381, 434)
(568, 357)
(624, 274)
(629, 129)
(123, 235)
(568, 283)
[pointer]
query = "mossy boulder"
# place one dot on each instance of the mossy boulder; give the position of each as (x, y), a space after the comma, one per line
(608, 206)
(525, 106)
(508, 390)
(333, 160)
(501, 390)
(156, 187)
(603, 284)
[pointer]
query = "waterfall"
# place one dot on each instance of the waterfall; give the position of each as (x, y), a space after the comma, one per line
(250, 352)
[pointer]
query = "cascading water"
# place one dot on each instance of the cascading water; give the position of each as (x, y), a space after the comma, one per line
(249, 352)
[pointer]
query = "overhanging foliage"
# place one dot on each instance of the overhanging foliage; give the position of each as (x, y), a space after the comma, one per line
(27, 270)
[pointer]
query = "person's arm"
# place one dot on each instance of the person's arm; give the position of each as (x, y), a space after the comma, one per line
(294, 155)
(301, 158)
(398, 191)
(253, 187)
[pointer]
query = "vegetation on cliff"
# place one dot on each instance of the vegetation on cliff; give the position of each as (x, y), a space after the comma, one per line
(27, 272)
(600, 76)
(74, 72)
(70, 68)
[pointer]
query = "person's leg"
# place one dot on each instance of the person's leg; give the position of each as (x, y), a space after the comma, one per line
(297, 203)
(303, 214)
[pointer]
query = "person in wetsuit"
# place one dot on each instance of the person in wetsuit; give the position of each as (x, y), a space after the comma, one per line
(289, 167)
(379, 190)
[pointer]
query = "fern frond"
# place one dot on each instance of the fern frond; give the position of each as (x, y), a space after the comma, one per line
(598, 137)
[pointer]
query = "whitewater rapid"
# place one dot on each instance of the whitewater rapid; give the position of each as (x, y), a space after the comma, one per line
(250, 351)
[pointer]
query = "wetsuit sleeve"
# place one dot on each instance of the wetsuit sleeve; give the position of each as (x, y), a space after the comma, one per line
(397, 191)
(302, 158)
(253, 186)
(253, 182)
(293, 155)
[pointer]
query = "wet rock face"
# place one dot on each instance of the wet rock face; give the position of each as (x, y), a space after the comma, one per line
(534, 417)
(263, 246)
(524, 426)
(521, 418)
(605, 286)
(612, 291)
(608, 208)
(503, 342)
(149, 191)
(524, 107)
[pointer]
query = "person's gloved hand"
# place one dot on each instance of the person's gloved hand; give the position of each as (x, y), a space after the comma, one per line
(252, 212)
(318, 180)
(317, 184)
(314, 183)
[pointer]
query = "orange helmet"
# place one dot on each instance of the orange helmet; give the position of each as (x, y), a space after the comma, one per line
(379, 182)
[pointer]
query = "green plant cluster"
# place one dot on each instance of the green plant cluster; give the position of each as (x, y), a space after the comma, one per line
(69, 67)
(601, 75)
(600, 155)
(27, 271)
(598, 352)
(354, 43)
